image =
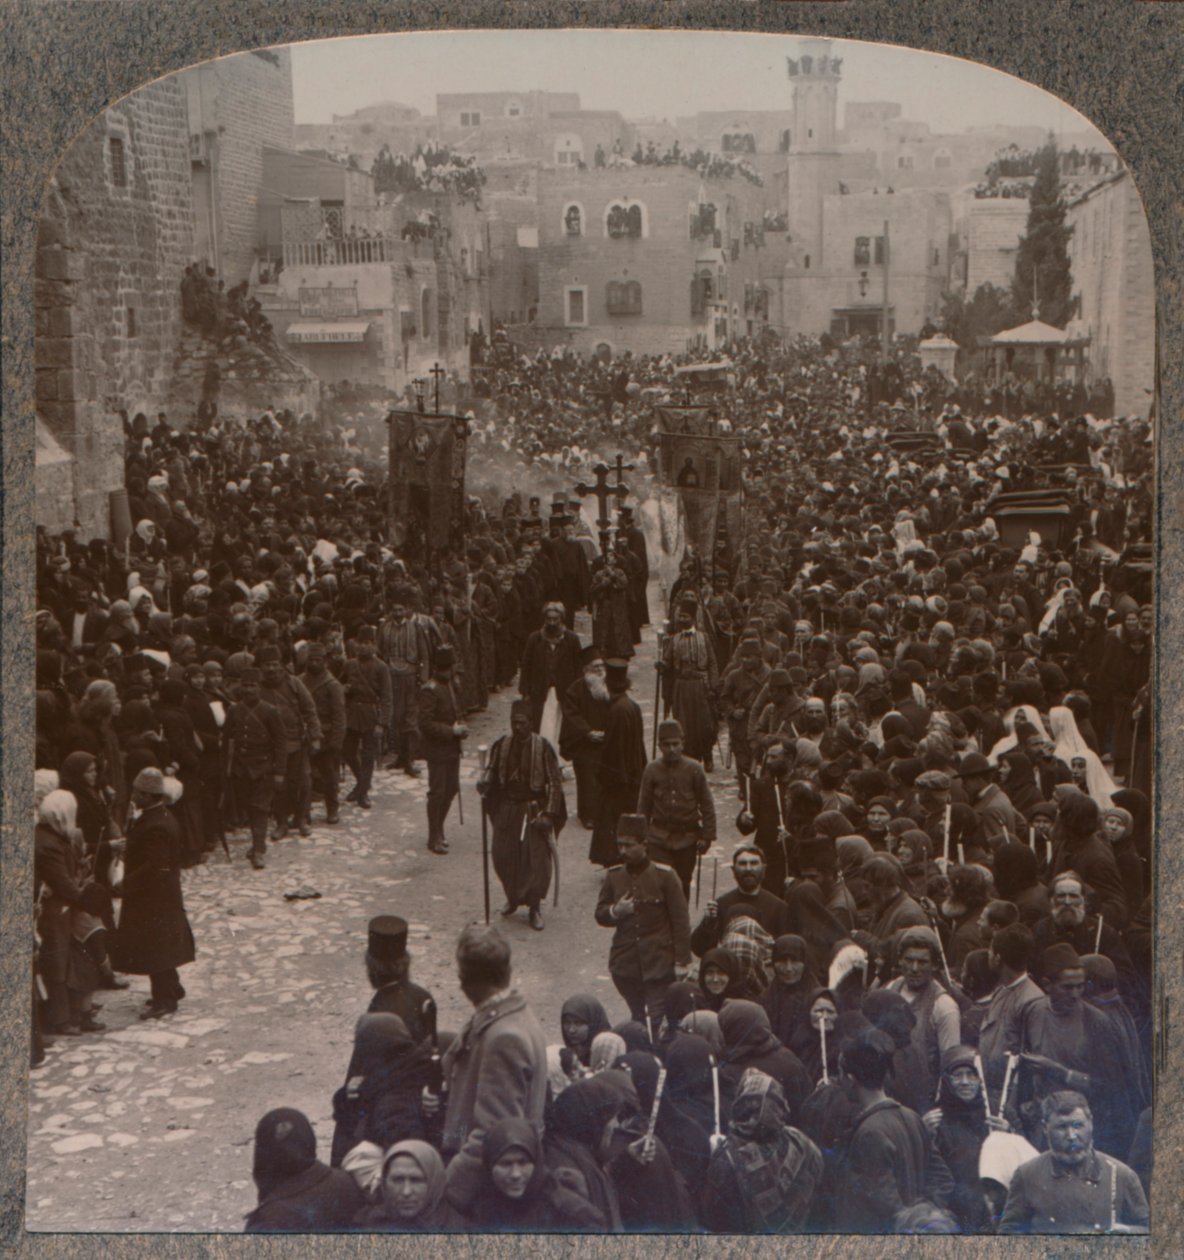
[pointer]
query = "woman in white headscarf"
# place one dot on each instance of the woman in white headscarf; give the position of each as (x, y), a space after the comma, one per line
(1085, 765)
(1021, 713)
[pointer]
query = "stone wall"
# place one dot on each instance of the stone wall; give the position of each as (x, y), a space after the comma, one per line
(115, 236)
(240, 104)
(1113, 274)
(992, 229)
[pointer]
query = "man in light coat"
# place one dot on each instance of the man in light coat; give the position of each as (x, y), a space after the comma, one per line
(497, 1066)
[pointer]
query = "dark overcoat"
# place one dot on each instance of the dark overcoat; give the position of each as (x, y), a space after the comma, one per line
(153, 933)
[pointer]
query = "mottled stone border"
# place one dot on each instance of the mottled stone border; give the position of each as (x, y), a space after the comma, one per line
(1118, 61)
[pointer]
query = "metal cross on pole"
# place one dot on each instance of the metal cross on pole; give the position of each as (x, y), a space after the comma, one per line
(603, 492)
(620, 467)
(437, 373)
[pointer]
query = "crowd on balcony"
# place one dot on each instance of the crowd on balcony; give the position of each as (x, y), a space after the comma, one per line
(709, 165)
(221, 313)
(432, 167)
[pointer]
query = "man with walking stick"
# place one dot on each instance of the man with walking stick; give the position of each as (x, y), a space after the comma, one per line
(441, 732)
(522, 794)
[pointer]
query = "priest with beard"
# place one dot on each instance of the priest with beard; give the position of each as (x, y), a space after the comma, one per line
(581, 737)
(523, 794)
(550, 664)
(622, 763)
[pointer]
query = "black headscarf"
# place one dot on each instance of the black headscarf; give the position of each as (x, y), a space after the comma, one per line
(726, 961)
(786, 1004)
(285, 1146)
(587, 1009)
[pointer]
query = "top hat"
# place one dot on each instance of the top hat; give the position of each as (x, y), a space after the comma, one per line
(387, 937)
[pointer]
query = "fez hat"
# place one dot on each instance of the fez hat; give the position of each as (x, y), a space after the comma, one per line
(779, 678)
(443, 657)
(972, 764)
(250, 675)
(150, 779)
(625, 512)
(266, 654)
(519, 707)
(688, 603)
(387, 938)
(365, 634)
(631, 825)
(669, 729)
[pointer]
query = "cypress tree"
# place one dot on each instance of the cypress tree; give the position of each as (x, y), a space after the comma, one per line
(1043, 256)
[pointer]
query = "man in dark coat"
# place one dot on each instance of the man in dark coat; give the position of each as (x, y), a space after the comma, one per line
(153, 937)
(631, 534)
(747, 898)
(690, 680)
(441, 732)
(328, 695)
(581, 737)
(550, 662)
(255, 748)
(367, 684)
(388, 968)
(622, 764)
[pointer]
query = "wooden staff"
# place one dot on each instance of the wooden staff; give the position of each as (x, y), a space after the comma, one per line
(1098, 935)
(657, 695)
(945, 830)
(698, 877)
(945, 966)
(483, 758)
(982, 1080)
(1012, 1060)
(714, 876)
(961, 854)
(822, 1034)
(1032, 839)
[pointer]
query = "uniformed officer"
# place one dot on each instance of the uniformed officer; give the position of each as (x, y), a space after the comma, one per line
(441, 733)
(255, 744)
(644, 902)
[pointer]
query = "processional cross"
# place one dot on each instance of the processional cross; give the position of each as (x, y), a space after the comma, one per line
(603, 492)
(437, 373)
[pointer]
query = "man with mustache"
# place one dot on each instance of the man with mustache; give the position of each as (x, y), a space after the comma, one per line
(581, 737)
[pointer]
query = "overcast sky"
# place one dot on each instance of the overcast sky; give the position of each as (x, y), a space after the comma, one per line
(665, 74)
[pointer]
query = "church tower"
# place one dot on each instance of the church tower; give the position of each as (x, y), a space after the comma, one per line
(813, 159)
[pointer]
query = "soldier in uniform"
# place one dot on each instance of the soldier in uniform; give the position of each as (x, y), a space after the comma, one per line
(441, 732)
(256, 757)
(302, 727)
(644, 902)
(367, 713)
(388, 967)
(329, 697)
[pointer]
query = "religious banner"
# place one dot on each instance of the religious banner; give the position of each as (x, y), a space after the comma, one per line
(703, 472)
(427, 481)
(679, 419)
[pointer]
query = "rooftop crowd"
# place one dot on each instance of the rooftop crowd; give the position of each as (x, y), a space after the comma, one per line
(925, 1004)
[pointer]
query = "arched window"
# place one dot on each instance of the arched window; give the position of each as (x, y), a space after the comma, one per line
(626, 219)
(573, 220)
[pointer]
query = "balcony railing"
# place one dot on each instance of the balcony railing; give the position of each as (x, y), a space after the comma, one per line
(348, 252)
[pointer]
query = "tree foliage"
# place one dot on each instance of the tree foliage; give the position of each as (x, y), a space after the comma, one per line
(984, 314)
(1043, 284)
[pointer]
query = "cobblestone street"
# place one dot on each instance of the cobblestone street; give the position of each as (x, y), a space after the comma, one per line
(149, 1126)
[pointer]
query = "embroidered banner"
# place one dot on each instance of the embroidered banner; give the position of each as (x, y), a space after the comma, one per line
(427, 481)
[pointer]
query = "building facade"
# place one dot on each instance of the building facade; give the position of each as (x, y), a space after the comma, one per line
(648, 259)
(1114, 282)
(237, 106)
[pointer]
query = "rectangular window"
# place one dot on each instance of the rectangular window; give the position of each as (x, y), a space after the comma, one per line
(131, 321)
(577, 306)
(905, 162)
(863, 251)
(879, 251)
(470, 120)
(118, 163)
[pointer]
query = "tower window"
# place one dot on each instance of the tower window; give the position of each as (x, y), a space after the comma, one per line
(806, 263)
(118, 163)
(131, 321)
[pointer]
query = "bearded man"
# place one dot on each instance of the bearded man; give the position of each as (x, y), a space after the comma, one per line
(550, 664)
(523, 792)
(581, 737)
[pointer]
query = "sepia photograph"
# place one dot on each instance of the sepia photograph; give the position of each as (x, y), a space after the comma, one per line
(594, 645)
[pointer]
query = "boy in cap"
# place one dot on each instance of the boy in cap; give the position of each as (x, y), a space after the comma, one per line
(675, 799)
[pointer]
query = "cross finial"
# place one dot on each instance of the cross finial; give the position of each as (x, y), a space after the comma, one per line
(437, 373)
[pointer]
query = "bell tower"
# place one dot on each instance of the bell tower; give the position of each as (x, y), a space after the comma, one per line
(813, 158)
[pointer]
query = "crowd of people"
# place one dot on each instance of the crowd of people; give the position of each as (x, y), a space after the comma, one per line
(924, 1006)
(709, 165)
(433, 167)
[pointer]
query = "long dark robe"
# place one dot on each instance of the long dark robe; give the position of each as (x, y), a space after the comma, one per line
(524, 783)
(611, 628)
(622, 762)
(690, 679)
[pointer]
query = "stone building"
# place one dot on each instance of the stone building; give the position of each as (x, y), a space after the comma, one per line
(115, 236)
(842, 243)
(649, 259)
(1114, 282)
(362, 134)
(169, 175)
(398, 288)
(990, 232)
(237, 105)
